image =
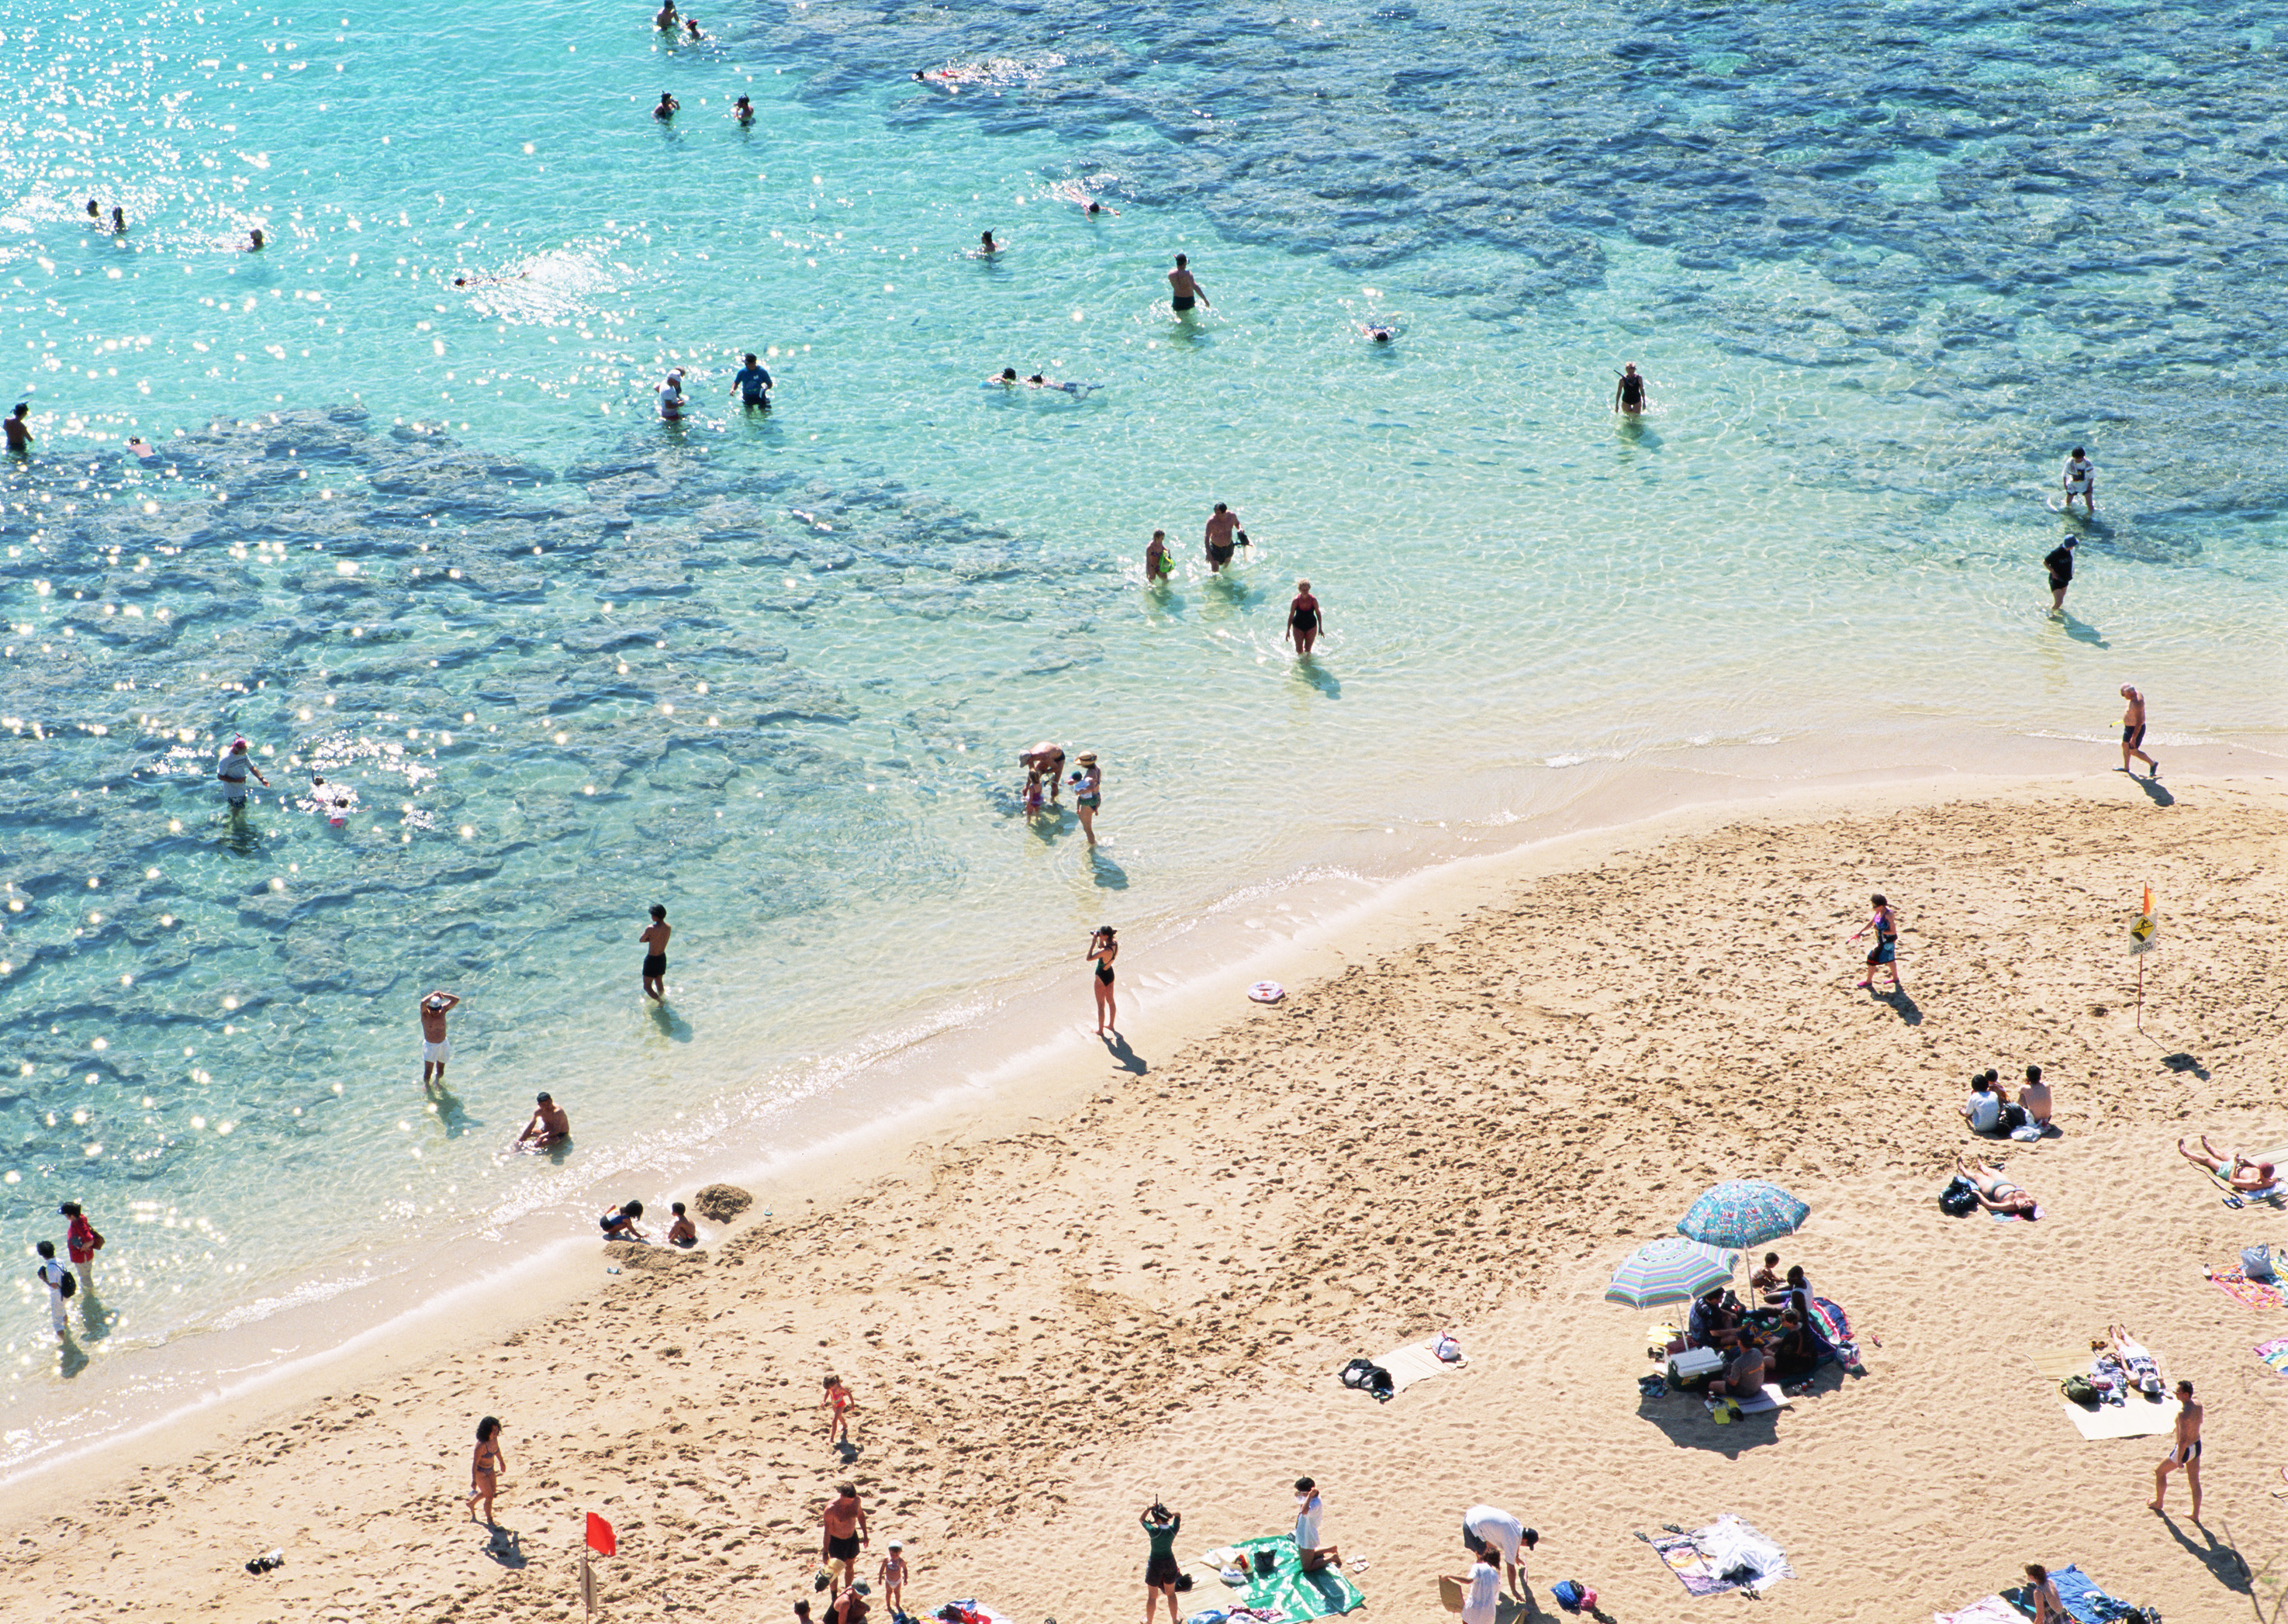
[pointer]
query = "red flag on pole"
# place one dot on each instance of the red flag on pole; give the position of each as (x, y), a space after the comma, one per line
(601, 1538)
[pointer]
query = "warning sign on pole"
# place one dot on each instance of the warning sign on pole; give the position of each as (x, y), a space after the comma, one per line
(2144, 936)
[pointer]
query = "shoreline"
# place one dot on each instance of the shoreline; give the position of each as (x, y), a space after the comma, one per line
(1004, 1076)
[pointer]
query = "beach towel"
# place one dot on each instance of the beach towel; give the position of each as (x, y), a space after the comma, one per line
(2014, 1217)
(975, 1609)
(2085, 1604)
(1415, 1362)
(1727, 1554)
(2275, 1353)
(1287, 1589)
(2137, 1417)
(2255, 1293)
(1985, 1610)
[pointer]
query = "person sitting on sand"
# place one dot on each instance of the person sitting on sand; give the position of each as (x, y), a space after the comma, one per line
(683, 1231)
(1713, 1324)
(2144, 1370)
(2042, 1597)
(1744, 1377)
(1984, 1108)
(1792, 1353)
(620, 1223)
(2036, 1098)
(2235, 1169)
(1766, 1279)
(1995, 1193)
(550, 1127)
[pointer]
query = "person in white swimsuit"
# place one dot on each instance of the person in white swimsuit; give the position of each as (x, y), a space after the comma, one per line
(2081, 481)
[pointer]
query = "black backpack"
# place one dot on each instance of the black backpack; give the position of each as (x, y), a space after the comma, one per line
(1370, 1377)
(1959, 1199)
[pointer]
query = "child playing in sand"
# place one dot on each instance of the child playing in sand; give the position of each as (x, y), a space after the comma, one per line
(838, 1401)
(1766, 1279)
(683, 1231)
(892, 1575)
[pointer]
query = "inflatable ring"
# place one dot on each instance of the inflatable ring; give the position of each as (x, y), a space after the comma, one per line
(1266, 991)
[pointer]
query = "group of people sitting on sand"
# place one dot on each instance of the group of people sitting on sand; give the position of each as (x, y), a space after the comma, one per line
(1993, 1114)
(1779, 1341)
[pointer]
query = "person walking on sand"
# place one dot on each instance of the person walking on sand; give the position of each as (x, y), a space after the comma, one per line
(550, 1127)
(2133, 732)
(1088, 793)
(1482, 1589)
(1629, 396)
(18, 427)
(2186, 1453)
(838, 1402)
(55, 1277)
(1223, 533)
(1161, 1568)
(1184, 288)
(1159, 563)
(1884, 924)
(2042, 1594)
(655, 946)
(844, 1531)
(1491, 1532)
(2080, 481)
(2060, 562)
(1308, 1509)
(1303, 620)
(81, 1244)
(485, 1467)
(436, 1047)
(236, 764)
(1103, 949)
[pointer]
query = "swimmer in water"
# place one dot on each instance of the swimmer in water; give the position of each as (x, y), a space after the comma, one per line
(119, 221)
(1223, 531)
(671, 398)
(95, 211)
(1377, 331)
(986, 246)
(665, 19)
(744, 110)
(254, 241)
(668, 108)
(1095, 209)
(691, 29)
(1303, 620)
(1629, 396)
(18, 427)
(1008, 378)
(1184, 289)
(1159, 563)
(753, 384)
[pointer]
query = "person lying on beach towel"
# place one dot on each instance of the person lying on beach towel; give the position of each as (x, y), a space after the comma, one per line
(2105, 1372)
(2144, 1370)
(1995, 1193)
(2245, 1177)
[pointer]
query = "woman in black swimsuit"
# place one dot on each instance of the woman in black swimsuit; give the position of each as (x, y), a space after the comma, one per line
(1629, 393)
(1303, 620)
(1103, 949)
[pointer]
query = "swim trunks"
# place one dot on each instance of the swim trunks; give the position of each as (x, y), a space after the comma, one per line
(2132, 735)
(1220, 553)
(437, 1053)
(654, 966)
(1090, 801)
(842, 1548)
(1183, 303)
(2187, 1454)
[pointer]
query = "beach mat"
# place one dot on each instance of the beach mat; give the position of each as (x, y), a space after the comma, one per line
(2240, 1288)
(1416, 1362)
(1773, 1397)
(1288, 1588)
(1687, 1556)
(2140, 1417)
(2275, 1353)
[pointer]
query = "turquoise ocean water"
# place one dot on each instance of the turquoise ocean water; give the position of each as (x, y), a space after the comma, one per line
(1883, 265)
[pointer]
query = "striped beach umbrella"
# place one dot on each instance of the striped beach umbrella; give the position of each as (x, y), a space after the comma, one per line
(1670, 1270)
(1744, 1213)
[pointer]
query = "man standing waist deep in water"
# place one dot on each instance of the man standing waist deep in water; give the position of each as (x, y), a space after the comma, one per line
(1186, 291)
(655, 945)
(1223, 529)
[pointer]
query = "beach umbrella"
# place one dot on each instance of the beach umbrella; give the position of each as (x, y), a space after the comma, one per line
(1744, 1213)
(1670, 1270)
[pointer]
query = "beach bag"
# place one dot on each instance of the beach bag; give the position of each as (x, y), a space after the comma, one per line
(1959, 1198)
(1370, 1377)
(2080, 1391)
(1573, 1595)
(2255, 1263)
(2012, 1119)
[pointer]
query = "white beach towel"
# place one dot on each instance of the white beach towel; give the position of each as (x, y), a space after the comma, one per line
(1985, 1610)
(1728, 1543)
(1772, 1398)
(1416, 1361)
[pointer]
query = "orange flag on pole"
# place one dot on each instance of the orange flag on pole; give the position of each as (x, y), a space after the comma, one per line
(601, 1538)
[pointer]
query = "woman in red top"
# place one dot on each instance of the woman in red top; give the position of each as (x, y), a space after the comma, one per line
(82, 1243)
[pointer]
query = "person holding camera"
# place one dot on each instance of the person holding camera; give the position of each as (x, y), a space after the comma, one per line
(1161, 1571)
(1103, 948)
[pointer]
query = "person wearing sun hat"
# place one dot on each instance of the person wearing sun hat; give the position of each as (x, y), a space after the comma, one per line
(1088, 793)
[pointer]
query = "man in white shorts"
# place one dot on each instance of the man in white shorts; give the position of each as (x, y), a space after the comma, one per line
(1490, 1532)
(435, 1048)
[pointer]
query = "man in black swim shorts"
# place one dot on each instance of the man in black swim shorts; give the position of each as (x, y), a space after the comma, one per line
(1186, 292)
(1223, 525)
(2059, 562)
(844, 1522)
(654, 943)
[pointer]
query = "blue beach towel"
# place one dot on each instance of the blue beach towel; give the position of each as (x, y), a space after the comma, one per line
(2085, 1604)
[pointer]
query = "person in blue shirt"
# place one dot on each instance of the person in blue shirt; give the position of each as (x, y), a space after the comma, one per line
(754, 384)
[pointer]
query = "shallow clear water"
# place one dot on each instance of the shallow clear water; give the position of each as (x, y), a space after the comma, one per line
(773, 671)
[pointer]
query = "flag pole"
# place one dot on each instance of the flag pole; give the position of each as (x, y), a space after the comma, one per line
(587, 1586)
(2140, 991)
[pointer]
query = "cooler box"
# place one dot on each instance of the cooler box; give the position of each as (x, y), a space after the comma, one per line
(1694, 1366)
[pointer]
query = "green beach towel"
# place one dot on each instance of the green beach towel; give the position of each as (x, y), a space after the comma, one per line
(1288, 1588)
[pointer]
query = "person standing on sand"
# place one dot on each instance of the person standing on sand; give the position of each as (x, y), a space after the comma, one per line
(1185, 289)
(1161, 1568)
(655, 946)
(1490, 1532)
(2133, 732)
(1629, 396)
(1884, 924)
(843, 1531)
(1308, 1509)
(838, 1401)
(2060, 561)
(1303, 620)
(1103, 949)
(436, 1047)
(2187, 1452)
(1088, 795)
(485, 1467)
(2080, 481)
(892, 1577)
(81, 1244)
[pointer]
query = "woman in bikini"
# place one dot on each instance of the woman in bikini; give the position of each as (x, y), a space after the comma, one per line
(1995, 1193)
(485, 1467)
(1103, 949)
(2042, 1595)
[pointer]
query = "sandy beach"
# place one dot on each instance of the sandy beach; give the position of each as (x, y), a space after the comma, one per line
(1138, 1276)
